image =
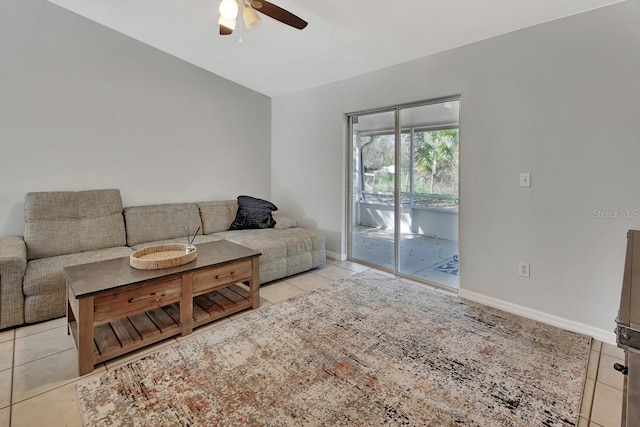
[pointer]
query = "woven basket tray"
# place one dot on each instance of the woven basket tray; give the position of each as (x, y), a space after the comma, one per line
(163, 256)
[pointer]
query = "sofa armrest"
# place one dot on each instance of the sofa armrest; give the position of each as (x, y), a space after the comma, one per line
(13, 247)
(283, 221)
(13, 264)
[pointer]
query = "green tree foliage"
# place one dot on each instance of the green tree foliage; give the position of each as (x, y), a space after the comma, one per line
(436, 155)
(435, 174)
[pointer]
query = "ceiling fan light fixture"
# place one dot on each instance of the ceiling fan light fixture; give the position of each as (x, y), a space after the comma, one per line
(228, 9)
(228, 23)
(250, 16)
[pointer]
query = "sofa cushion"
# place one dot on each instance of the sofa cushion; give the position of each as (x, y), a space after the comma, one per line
(253, 213)
(66, 222)
(273, 263)
(44, 282)
(284, 252)
(218, 215)
(283, 222)
(160, 222)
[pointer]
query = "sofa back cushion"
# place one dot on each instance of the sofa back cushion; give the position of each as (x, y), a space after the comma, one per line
(65, 222)
(217, 216)
(160, 222)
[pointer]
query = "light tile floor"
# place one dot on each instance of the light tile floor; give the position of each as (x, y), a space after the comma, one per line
(38, 366)
(602, 395)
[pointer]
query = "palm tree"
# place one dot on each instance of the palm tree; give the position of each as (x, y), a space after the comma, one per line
(436, 148)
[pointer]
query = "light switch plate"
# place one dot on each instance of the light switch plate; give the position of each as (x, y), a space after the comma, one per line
(525, 179)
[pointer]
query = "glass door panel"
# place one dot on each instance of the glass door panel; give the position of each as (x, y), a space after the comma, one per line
(428, 212)
(373, 146)
(404, 191)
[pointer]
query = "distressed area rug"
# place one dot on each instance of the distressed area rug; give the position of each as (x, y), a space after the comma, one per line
(367, 351)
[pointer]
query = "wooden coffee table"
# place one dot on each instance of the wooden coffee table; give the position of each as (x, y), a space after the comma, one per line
(114, 308)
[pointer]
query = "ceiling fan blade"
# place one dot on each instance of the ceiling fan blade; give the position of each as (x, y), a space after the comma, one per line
(279, 14)
(224, 31)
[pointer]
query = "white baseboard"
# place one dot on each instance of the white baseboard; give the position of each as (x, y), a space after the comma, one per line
(570, 325)
(336, 256)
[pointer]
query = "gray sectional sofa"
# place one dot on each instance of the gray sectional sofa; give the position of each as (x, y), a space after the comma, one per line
(70, 228)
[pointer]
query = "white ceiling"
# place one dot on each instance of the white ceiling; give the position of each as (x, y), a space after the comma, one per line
(345, 38)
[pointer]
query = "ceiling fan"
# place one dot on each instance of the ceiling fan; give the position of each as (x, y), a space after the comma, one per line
(229, 10)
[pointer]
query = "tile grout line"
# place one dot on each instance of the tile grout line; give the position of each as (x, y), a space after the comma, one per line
(38, 332)
(31, 335)
(600, 355)
(50, 390)
(13, 361)
(322, 277)
(595, 383)
(43, 357)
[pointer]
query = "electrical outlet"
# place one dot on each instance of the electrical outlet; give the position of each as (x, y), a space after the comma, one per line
(523, 269)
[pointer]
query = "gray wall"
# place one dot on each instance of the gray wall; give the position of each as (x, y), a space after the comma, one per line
(84, 107)
(559, 100)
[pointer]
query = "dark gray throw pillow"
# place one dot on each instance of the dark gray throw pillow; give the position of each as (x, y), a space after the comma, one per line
(253, 213)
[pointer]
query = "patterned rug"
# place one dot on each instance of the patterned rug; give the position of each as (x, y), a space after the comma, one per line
(450, 267)
(367, 351)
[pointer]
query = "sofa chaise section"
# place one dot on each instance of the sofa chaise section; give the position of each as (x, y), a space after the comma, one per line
(286, 249)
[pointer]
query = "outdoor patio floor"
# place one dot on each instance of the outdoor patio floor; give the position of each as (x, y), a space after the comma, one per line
(419, 255)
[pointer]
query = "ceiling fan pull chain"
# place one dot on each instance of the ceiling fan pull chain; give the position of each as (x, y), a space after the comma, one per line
(238, 33)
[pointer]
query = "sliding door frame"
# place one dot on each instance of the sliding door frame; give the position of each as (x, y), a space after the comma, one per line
(397, 184)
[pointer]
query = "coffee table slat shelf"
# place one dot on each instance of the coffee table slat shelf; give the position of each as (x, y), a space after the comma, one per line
(114, 309)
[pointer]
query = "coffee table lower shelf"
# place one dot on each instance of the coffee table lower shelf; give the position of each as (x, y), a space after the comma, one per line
(130, 333)
(113, 309)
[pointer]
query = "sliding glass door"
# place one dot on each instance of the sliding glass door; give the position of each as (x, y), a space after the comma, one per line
(373, 195)
(404, 194)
